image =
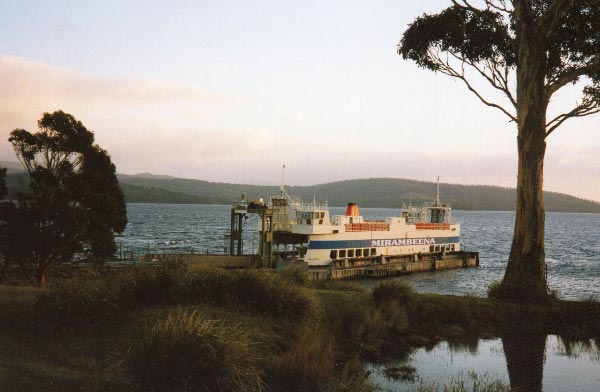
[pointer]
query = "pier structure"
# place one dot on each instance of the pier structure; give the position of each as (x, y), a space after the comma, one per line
(276, 240)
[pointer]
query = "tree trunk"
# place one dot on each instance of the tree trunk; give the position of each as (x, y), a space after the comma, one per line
(524, 279)
(41, 275)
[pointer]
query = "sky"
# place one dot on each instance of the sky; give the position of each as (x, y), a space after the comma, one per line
(230, 91)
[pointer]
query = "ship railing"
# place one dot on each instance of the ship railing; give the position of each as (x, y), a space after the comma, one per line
(367, 226)
(432, 226)
(310, 207)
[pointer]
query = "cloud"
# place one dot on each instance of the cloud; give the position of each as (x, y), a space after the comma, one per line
(133, 119)
(166, 128)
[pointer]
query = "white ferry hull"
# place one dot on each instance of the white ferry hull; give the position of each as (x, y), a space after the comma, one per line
(324, 249)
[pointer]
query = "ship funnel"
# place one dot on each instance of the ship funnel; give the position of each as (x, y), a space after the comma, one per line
(352, 209)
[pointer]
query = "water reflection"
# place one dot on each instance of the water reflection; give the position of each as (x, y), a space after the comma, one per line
(525, 361)
(524, 355)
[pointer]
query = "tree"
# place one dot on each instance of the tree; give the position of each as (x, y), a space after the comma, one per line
(4, 264)
(526, 50)
(75, 204)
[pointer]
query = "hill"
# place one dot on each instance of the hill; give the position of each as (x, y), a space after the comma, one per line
(372, 192)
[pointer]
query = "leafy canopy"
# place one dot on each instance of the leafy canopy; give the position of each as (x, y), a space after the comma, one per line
(75, 202)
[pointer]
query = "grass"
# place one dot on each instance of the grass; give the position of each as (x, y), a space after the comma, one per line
(473, 383)
(139, 329)
(185, 352)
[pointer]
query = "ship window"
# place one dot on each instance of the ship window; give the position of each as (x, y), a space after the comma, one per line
(452, 247)
(373, 251)
(308, 222)
(342, 253)
(431, 248)
(437, 248)
(350, 252)
(358, 252)
(333, 254)
(320, 221)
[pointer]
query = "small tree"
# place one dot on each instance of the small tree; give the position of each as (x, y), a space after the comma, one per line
(4, 261)
(75, 203)
(526, 50)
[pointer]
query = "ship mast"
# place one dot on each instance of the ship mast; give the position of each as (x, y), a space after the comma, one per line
(282, 186)
(437, 193)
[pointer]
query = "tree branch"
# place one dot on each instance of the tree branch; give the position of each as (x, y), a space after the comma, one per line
(447, 69)
(586, 108)
(549, 19)
(572, 75)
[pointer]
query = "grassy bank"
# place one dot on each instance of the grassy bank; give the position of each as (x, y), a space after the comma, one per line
(172, 329)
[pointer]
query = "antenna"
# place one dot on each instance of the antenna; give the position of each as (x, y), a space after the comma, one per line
(282, 186)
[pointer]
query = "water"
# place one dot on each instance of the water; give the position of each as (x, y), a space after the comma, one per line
(572, 244)
(534, 363)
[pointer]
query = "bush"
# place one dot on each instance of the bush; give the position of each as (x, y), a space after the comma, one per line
(186, 353)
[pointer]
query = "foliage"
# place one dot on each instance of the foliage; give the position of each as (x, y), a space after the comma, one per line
(185, 352)
(75, 203)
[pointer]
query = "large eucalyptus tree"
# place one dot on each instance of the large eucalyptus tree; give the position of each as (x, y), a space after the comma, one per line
(526, 50)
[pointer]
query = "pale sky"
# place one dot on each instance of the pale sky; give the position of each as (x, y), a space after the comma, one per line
(230, 90)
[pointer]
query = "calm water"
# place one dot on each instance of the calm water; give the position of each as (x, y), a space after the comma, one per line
(573, 259)
(534, 363)
(572, 244)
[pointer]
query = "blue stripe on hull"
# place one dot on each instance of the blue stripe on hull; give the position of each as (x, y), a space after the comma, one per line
(375, 243)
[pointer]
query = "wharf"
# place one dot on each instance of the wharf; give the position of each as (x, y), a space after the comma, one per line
(395, 266)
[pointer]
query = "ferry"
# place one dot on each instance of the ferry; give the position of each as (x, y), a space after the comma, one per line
(349, 239)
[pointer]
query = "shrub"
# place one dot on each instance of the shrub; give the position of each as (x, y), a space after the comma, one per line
(187, 353)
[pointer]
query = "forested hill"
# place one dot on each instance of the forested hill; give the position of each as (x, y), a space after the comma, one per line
(374, 192)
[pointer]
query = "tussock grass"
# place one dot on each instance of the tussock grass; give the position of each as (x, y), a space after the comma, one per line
(295, 274)
(307, 364)
(75, 302)
(395, 292)
(185, 352)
